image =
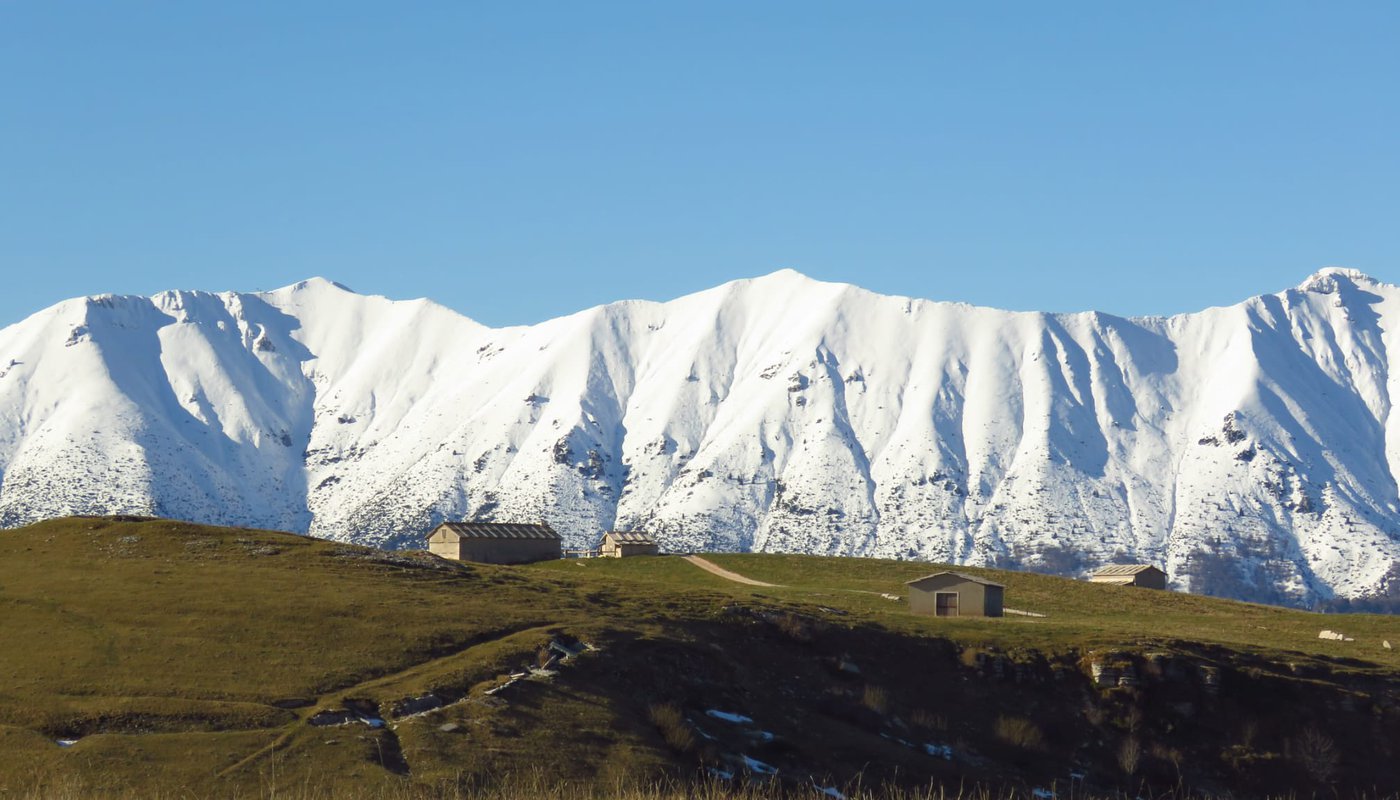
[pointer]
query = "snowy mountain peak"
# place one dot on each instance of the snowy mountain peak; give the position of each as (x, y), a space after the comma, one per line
(784, 275)
(1325, 280)
(314, 284)
(1250, 450)
(788, 281)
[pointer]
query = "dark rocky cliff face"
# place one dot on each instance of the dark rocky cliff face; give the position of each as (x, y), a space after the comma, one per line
(1160, 718)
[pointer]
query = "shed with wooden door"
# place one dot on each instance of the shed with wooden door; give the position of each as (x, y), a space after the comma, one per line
(953, 594)
(495, 542)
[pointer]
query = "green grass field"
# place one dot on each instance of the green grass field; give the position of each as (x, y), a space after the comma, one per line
(1078, 615)
(180, 660)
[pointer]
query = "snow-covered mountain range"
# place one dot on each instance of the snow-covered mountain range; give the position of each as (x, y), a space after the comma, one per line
(1250, 450)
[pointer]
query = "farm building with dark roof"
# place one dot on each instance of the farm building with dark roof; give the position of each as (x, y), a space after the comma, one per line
(495, 542)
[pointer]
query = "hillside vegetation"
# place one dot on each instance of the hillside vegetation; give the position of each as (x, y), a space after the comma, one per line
(1078, 614)
(148, 657)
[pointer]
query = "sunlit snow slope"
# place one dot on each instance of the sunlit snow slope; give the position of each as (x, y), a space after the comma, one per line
(1250, 450)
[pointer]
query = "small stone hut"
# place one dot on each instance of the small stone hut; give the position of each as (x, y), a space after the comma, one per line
(621, 544)
(953, 594)
(1144, 575)
(495, 542)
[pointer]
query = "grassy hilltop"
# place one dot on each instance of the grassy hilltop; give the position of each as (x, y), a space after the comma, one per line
(191, 660)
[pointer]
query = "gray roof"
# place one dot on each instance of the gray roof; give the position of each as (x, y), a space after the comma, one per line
(1114, 570)
(630, 537)
(498, 530)
(964, 576)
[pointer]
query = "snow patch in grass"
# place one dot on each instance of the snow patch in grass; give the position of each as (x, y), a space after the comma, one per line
(940, 750)
(898, 740)
(759, 767)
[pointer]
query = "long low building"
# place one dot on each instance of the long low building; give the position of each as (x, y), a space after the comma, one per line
(1144, 575)
(495, 542)
(622, 544)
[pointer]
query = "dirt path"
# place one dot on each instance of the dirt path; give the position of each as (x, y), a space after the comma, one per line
(716, 569)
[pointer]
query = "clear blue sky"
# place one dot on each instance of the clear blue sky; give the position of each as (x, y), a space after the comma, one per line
(516, 161)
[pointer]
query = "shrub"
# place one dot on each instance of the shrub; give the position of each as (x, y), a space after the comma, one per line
(544, 658)
(928, 720)
(1318, 756)
(794, 627)
(970, 656)
(1020, 732)
(1129, 754)
(669, 720)
(876, 699)
(1169, 755)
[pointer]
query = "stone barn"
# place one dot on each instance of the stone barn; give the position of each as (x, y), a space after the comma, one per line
(621, 544)
(495, 542)
(1144, 575)
(953, 594)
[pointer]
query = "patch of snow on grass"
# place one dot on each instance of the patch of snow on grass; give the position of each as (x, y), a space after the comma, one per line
(893, 738)
(737, 719)
(759, 767)
(514, 679)
(940, 750)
